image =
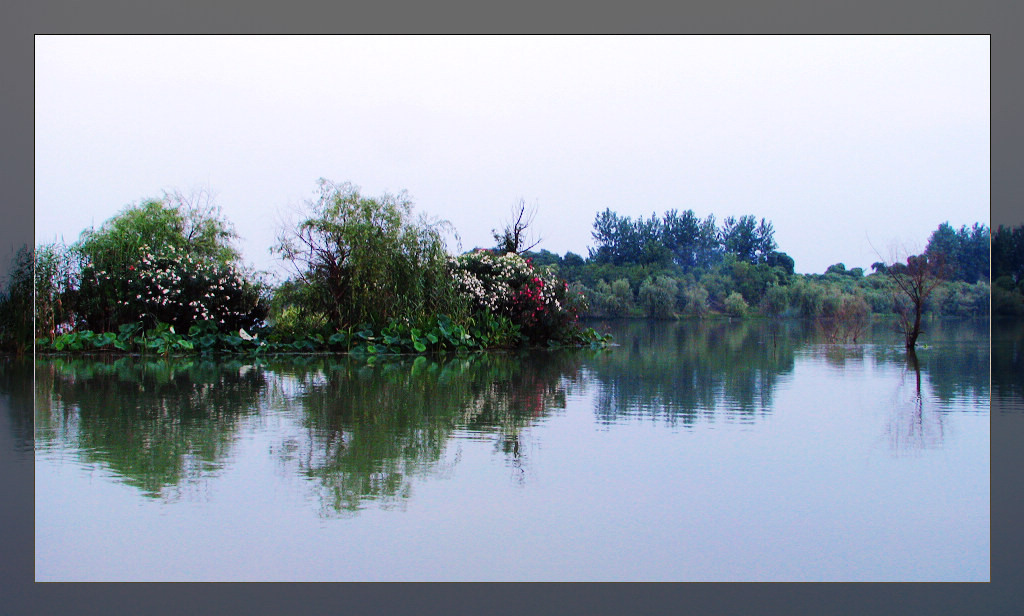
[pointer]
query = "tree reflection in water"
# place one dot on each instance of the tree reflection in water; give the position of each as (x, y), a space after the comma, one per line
(154, 423)
(362, 433)
(684, 372)
(913, 425)
(368, 430)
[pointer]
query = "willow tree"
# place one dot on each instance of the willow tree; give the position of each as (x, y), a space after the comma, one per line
(361, 260)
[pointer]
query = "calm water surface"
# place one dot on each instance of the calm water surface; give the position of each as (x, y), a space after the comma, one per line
(691, 452)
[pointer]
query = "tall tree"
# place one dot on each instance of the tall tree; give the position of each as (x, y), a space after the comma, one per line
(965, 252)
(606, 234)
(681, 236)
(1008, 253)
(748, 240)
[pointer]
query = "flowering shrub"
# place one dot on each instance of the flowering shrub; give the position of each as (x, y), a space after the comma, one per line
(171, 286)
(508, 285)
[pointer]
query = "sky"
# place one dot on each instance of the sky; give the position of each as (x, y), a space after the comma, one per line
(855, 148)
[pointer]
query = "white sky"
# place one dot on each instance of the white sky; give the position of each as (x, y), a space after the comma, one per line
(848, 144)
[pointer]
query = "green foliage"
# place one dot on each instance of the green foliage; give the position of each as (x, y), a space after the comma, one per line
(782, 261)
(749, 241)
(843, 316)
(293, 322)
(658, 297)
(838, 268)
(695, 300)
(572, 259)
(622, 296)
(959, 299)
(807, 297)
(776, 300)
(16, 304)
(57, 278)
(964, 253)
(1008, 253)
(168, 260)
(1008, 270)
(1007, 302)
(366, 260)
(735, 305)
(673, 238)
(507, 285)
(752, 281)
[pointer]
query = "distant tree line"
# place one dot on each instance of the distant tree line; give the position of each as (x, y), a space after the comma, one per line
(680, 265)
(680, 239)
(1008, 270)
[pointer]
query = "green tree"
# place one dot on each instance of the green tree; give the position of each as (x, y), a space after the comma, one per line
(175, 248)
(735, 305)
(965, 252)
(695, 300)
(1008, 253)
(16, 304)
(658, 297)
(775, 301)
(748, 240)
(366, 260)
(782, 261)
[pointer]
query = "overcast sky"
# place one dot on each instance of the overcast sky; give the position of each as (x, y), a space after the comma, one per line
(847, 144)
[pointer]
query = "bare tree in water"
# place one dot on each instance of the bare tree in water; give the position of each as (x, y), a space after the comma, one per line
(915, 280)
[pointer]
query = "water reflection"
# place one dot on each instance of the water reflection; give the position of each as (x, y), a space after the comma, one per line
(357, 434)
(913, 425)
(16, 395)
(370, 429)
(681, 373)
(362, 432)
(155, 424)
(1008, 364)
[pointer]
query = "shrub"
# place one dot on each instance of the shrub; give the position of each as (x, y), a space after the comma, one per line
(776, 300)
(658, 297)
(808, 297)
(508, 285)
(622, 297)
(695, 300)
(170, 286)
(735, 305)
(123, 278)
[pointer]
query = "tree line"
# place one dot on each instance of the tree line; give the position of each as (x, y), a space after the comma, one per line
(364, 265)
(683, 240)
(1008, 270)
(681, 265)
(367, 275)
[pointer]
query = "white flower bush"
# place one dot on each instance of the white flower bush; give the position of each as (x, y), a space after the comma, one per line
(509, 285)
(170, 286)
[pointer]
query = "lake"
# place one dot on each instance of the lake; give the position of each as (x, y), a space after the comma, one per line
(691, 451)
